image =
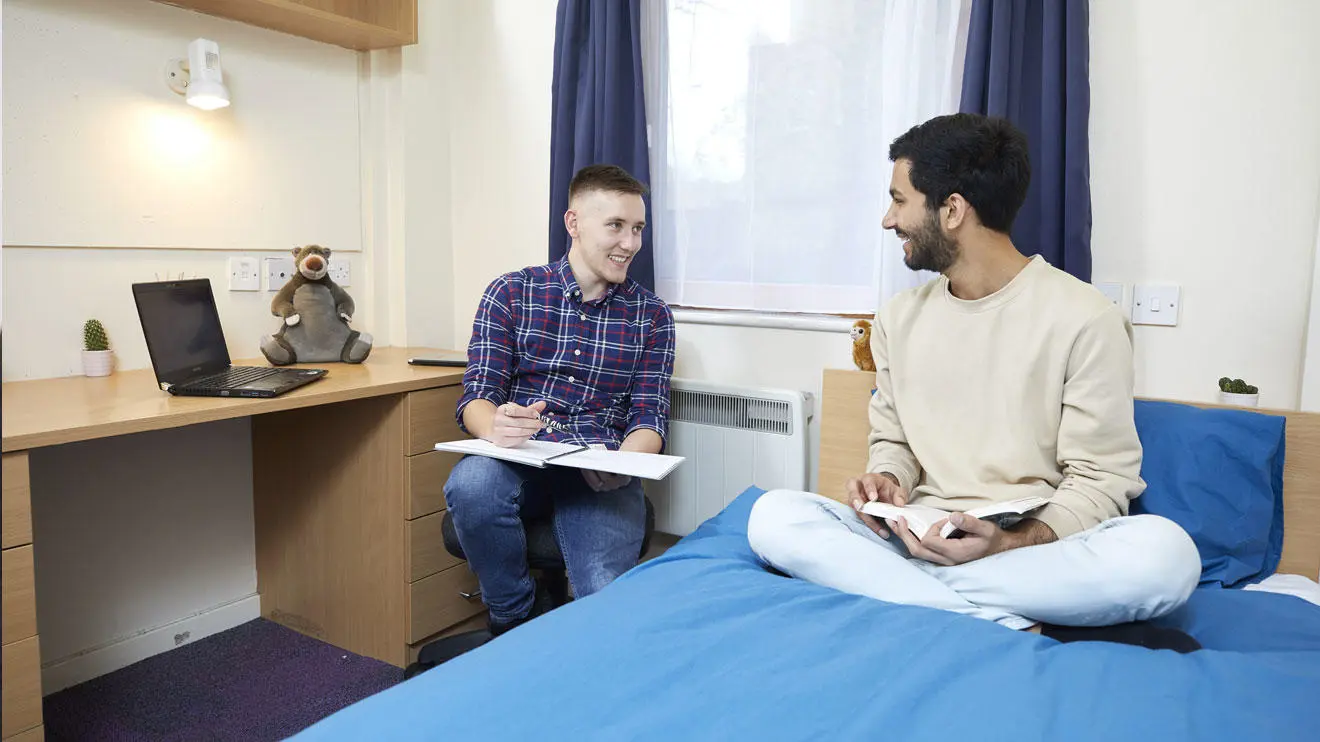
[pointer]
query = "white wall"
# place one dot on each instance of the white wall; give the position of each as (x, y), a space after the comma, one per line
(501, 144)
(1205, 172)
(429, 107)
(764, 358)
(136, 537)
(101, 154)
(1310, 401)
(49, 292)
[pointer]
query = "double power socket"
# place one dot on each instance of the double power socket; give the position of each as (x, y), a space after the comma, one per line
(249, 273)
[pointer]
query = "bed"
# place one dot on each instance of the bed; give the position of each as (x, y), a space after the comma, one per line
(704, 643)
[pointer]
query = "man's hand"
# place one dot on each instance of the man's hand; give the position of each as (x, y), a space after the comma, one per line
(875, 488)
(603, 481)
(514, 424)
(980, 539)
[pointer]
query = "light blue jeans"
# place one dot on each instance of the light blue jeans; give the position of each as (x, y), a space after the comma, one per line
(599, 533)
(1125, 569)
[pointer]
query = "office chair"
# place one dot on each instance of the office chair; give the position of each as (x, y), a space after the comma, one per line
(543, 556)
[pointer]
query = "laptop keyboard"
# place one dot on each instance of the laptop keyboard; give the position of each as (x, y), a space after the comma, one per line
(233, 377)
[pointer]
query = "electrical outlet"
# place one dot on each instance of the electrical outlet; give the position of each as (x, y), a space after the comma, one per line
(339, 272)
(243, 275)
(278, 272)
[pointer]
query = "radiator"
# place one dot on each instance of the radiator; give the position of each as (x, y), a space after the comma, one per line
(733, 437)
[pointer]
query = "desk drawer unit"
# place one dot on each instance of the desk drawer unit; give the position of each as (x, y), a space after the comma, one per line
(427, 474)
(17, 524)
(22, 686)
(431, 418)
(20, 717)
(426, 547)
(351, 552)
(20, 598)
(437, 602)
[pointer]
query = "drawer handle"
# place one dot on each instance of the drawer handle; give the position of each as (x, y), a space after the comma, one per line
(471, 595)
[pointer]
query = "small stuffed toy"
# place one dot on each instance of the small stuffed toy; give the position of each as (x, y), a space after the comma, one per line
(316, 313)
(861, 351)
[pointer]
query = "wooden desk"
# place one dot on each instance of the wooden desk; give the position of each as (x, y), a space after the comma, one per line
(348, 551)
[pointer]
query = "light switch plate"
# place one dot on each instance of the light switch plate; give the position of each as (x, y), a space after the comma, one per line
(1156, 305)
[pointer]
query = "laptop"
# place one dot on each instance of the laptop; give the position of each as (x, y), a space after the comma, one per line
(188, 351)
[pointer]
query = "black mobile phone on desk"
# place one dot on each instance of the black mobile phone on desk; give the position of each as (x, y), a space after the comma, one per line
(442, 358)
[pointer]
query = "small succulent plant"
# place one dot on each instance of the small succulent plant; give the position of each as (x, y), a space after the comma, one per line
(94, 337)
(1236, 386)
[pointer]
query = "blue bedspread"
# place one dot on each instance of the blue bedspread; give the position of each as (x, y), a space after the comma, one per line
(702, 643)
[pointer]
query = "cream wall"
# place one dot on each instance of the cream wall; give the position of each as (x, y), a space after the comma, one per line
(1205, 172)
(100, 153)
(1311, 366)
(501, 144)
(429, 102)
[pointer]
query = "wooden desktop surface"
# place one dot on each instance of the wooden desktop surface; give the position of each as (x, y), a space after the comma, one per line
(48, 412)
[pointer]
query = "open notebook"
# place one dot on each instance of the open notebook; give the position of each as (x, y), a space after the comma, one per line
(920, 518)
(545, 453)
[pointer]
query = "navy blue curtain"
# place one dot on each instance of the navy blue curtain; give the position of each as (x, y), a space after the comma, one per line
(598, 113)
(1027, 61)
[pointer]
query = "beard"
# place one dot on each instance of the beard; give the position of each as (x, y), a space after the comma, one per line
(929, 248)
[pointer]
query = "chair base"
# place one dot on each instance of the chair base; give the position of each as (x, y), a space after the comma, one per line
(441, 651)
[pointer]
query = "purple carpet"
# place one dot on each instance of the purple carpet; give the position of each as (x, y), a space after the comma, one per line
(258, 681)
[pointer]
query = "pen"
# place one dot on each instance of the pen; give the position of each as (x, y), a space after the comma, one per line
(554, 424)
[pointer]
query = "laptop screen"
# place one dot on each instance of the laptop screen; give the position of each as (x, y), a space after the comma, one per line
(182, 329)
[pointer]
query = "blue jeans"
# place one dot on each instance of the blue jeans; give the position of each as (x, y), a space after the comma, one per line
(599, 533)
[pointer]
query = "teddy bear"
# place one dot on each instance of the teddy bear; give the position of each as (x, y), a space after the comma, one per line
(316, 313)
(861, 350)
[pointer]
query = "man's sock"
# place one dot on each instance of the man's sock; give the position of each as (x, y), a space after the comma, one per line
(1138, 633)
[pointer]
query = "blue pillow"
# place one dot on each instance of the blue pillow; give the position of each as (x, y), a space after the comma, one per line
(1219, 474)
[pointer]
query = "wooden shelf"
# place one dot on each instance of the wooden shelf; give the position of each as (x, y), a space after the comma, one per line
(354, 24)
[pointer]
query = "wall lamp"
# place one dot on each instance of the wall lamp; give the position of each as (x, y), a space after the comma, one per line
(198, 78)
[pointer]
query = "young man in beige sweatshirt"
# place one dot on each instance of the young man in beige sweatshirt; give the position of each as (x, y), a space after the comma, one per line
(1003, 378)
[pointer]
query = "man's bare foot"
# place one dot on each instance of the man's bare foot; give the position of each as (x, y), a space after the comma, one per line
(1035, 628)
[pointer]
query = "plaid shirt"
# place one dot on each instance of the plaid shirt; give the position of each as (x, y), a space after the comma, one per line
(601, 366)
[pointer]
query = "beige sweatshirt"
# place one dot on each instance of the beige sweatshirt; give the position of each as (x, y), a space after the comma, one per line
(1027, 391)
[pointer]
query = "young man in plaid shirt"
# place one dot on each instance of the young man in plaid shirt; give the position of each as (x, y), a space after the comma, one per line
(579, 344)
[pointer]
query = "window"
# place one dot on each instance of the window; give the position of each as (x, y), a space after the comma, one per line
(770, 123)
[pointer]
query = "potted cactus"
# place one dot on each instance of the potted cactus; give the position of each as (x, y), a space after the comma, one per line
(1237, 392)
(97, 358)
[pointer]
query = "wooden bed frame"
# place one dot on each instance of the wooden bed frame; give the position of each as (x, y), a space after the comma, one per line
(843, 453)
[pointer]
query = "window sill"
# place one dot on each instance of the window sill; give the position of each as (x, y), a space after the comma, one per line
(764, 320)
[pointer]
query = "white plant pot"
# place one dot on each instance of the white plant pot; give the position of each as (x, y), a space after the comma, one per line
(98, 362)
(1238, 400)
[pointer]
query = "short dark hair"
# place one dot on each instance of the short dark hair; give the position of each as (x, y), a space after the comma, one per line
(981, 157)
(608, 178)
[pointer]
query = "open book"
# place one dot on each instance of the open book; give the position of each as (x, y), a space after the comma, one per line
(921, 517)
(545, 453)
